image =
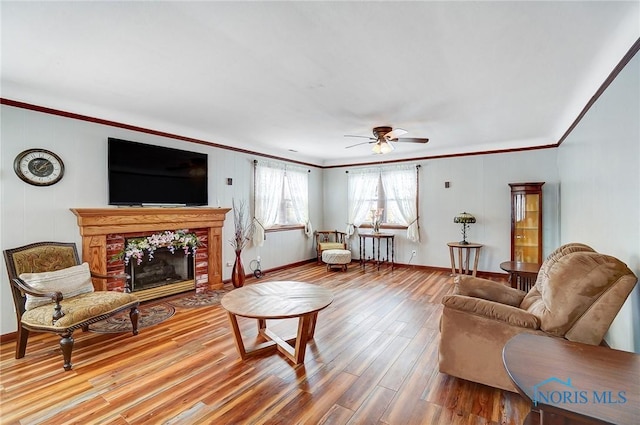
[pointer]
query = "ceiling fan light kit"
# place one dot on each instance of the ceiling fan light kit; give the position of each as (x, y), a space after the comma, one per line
(383, 138)
(382, 147)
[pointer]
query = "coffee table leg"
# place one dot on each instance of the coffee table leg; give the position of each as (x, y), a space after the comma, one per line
(262, 325)
(233, 321)
(304, 328)
(312, 326)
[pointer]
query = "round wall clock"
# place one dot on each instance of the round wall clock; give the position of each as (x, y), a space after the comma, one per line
(39, 167)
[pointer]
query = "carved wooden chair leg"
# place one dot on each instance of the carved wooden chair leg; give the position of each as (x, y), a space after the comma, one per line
(133, 315)
(21, 343)
(66, 344)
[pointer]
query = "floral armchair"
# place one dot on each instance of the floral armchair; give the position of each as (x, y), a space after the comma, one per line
(53, 292)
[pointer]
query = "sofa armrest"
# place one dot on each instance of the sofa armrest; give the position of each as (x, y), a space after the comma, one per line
(488, 290)
(492, 310)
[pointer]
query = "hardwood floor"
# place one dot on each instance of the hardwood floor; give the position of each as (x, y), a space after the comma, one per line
(374, 360)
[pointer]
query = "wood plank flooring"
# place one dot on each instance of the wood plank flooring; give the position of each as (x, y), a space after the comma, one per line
(374, 360)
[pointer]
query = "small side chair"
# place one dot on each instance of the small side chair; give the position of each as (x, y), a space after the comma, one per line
(53, 292)
(329, 239)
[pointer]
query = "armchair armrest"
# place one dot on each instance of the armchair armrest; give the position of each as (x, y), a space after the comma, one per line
(28, 289)
(492, 310)
(488, 290)
(119, 276)
(55, 296)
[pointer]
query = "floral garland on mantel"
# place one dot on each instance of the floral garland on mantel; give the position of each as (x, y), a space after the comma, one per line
(139, 247)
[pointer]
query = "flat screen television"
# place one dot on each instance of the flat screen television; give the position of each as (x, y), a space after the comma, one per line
(142, 174)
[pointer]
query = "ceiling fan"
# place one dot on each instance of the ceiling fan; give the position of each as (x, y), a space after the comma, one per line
(383, 138)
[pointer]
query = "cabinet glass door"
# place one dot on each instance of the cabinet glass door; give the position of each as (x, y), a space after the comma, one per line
(526, 241)
(526, 222)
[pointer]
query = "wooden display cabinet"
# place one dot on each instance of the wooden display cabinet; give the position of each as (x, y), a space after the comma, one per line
(526, 222)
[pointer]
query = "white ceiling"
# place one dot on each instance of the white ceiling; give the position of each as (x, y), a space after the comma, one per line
(271, 77)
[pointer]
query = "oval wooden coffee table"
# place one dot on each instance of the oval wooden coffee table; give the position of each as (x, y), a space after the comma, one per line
(277, 300)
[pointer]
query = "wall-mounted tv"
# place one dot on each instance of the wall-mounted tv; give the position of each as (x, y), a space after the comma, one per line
(142, 174)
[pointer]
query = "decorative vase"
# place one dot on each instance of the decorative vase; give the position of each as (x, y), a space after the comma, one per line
(376, 227)
(237, 274)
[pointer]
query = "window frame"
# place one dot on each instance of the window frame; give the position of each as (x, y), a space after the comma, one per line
(280, 209)
(367, 224)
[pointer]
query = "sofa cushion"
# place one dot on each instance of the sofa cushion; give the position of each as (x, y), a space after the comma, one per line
(71, 281)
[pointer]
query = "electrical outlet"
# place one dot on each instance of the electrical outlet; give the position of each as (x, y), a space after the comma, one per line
(229, 264)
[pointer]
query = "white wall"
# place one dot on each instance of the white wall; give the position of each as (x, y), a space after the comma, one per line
(599, 167)
(30, 214)
(478, 185)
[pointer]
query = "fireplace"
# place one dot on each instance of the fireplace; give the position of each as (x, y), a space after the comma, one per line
(164, 268)
(104, 231)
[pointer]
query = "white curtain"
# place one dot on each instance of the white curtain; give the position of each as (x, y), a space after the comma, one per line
(269, 180)
(362, 188)
(401, 188)
(298, 178)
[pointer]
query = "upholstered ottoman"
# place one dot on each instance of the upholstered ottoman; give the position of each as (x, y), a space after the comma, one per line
(336, 257)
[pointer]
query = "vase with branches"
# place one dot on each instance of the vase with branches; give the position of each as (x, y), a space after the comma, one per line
(243, 232)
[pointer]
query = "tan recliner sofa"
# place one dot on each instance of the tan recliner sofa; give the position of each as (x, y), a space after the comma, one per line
(577, 294)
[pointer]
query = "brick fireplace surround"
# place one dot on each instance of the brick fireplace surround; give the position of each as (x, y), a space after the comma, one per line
(104, 231)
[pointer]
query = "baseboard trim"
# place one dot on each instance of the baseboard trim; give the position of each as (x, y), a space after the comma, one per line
(11, 336)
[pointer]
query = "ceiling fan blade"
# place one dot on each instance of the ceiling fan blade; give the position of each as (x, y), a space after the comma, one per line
(395, 133)
(363, 137)
(411, 140)
(358, 144)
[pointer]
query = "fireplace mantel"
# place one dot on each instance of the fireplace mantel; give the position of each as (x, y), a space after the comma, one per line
(96, 223)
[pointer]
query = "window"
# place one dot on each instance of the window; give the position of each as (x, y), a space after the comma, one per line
(281, 195)
(391, 193)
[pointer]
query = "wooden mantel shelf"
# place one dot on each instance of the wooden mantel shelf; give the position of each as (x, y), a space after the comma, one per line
(101, 221)
(96, 223)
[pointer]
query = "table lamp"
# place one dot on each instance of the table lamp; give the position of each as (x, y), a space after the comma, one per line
(466, 219)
